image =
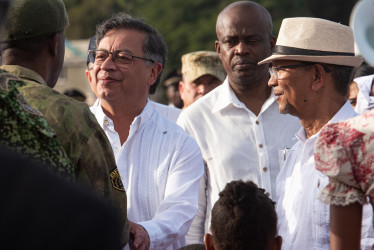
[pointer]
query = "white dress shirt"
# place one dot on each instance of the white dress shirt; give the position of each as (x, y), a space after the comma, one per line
(236, 144)
(303, 220)
(169, 112)
(160, 166)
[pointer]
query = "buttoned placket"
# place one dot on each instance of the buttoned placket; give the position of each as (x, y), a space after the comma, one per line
(264, 170)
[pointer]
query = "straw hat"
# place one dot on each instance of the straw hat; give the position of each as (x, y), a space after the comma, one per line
(315, 40)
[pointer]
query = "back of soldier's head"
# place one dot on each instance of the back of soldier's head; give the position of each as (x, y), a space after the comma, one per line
(29, 23)
(243, 218)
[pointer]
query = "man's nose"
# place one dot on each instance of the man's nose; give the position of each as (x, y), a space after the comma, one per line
(108, 63)
(272, 81)
(242, 48)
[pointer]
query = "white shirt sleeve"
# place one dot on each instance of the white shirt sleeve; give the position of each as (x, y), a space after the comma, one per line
(179, 205)
(196, 233)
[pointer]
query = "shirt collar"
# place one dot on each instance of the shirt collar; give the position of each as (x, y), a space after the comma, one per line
(138, 121)
(227, 97)
(24, 73)
(344, 113)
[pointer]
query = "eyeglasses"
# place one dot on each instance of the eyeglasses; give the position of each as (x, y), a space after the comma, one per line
(274, 70)
(121, 58)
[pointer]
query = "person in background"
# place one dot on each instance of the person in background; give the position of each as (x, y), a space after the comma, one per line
(361, 89)
(202, 71)
(312, 66)
(32, 47)
(75, 94)
(159, 164)
(243, 218)
(237, 125)
(172, 89)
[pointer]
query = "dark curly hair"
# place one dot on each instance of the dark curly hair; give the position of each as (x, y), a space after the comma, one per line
(243, 218)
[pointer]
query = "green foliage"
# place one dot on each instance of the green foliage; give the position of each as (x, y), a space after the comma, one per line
(189, 25)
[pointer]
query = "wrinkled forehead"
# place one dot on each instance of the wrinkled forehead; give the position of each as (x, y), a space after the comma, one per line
(128, 40)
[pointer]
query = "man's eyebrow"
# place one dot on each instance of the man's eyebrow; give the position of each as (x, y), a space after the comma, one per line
(125, 50)
(121, 50)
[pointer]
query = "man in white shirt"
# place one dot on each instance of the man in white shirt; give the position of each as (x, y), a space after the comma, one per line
(237, 125)
(312, 65)
(169, 112)
(160, 165)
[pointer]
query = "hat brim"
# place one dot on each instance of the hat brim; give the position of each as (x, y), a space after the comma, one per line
(353, 61)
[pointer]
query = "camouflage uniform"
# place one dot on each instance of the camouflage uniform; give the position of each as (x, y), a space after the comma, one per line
(24, 130)
(80, 135)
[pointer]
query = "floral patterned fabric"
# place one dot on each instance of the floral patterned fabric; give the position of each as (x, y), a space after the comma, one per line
(344, 152)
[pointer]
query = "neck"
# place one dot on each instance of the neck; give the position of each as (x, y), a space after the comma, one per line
(39, 65)
(319, 117)
(122, 116)
(254, 96)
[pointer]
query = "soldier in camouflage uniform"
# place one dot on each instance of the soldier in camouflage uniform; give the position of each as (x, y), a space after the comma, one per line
(202, 71)
(32, 47)
(24, 130)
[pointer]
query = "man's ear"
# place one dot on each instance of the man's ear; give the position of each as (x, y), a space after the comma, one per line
(218, 48)
(319, 77)
(208, 240)
(89, 78)
(181, 88)
(156, 70)
(53, 44)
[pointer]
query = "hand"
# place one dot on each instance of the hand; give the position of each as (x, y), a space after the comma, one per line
(139, 237)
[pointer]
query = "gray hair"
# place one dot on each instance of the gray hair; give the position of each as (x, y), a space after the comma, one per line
(154, 45)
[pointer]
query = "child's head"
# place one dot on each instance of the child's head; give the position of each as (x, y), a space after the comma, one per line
(243, 218)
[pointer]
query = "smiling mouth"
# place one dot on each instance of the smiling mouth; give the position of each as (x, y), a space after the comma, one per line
(107, 79)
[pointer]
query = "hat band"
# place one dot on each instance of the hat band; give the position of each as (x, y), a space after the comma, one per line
(292, 51)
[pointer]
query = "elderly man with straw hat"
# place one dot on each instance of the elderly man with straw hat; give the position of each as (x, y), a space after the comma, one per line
(312, 65)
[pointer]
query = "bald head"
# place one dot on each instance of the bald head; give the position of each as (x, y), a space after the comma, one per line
(243, 39)
(243, 9)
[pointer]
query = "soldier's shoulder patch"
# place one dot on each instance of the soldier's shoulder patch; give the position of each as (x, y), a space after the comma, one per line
(5, 77)
(115, 178)
(26, 106)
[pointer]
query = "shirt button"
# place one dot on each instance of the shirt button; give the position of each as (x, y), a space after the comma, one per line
(106, 122)
(257, 122)
(116, 149)
(261, 146)
(265, 169)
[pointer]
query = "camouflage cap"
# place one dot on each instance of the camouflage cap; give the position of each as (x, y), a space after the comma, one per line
(32, 18)
(199, 63)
